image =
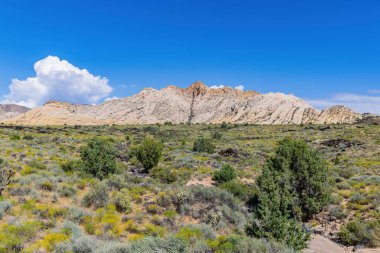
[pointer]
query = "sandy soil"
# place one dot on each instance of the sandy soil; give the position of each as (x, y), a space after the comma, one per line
(320, 244)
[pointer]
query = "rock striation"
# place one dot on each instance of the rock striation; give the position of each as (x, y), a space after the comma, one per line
(194, 104)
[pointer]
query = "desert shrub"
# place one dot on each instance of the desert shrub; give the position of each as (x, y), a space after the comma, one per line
(66, 191)
(97, 196)
(360, 232)
(154, 230)
(203, 145)
(83, 244)
(117, 181)
(253, 245)
(15, 137)
(238, 189)
(337, 212)
(13, 237)
(70, 166)
(148, 244)
(224, 174)
(149, 153)
(76, 214)
(5, 206)
(216, 135)
(190, 234)
(98, 158)
(208, 195)
(6, 175)
(358, 198)
(224, 125)
(152, 208)
(170, 214)
(28, 137)
(37, 165)
(44, 211)
(48, 243)
(47, 186)
(164, 199)
(109, 221)
(122, 202)
(164, 174)
(152, 129)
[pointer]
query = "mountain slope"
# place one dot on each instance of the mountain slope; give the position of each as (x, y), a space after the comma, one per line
(10, 110)
(195, 104)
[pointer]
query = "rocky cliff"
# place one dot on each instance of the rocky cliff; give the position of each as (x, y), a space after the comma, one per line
(195, 104)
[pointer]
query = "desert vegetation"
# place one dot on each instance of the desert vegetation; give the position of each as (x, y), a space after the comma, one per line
(188, 188)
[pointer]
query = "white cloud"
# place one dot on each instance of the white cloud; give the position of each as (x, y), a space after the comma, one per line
(217, 86)
(358, 103)
(112, 98)
(239, 87)
(374, 91)
(59, 80)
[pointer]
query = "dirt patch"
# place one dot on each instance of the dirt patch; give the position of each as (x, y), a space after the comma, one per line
(207, 181)
(320, 244)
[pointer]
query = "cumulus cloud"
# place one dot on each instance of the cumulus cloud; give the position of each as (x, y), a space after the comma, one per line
(217, 86)
(112, 98)
(358, 103)
(59, 80)
(239, 87)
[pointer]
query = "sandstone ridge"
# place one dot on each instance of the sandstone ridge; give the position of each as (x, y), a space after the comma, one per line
(194, 104)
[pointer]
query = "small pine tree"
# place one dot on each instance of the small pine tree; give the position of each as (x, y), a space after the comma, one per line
(308, 177)
(292, 188)
(149, 153)
(98, 158)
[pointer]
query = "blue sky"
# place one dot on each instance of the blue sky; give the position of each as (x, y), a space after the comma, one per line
(326, 51)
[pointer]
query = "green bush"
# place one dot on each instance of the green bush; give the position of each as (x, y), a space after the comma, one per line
(38, 165)
(149, 153)
(216, 135)
(224, 174)
(28, 137)
(14, 237)
(98, 158)
(165, 175)
(253, 245)
(292, 188)
(70, 166)
(224, 125)
(5, 207)
(97, 196)
(66, 191)
(203, 145)
(301, 176)
(238, 189)
(122, 202)
(360, 232)
(15, 137)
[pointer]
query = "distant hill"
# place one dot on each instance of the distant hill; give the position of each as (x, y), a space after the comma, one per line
(10, 110)
(195, 104)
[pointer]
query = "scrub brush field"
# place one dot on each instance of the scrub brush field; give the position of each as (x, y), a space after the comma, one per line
(184, 188)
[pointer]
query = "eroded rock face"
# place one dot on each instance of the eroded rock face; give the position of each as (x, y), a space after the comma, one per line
(10, 110)
(195, 104)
